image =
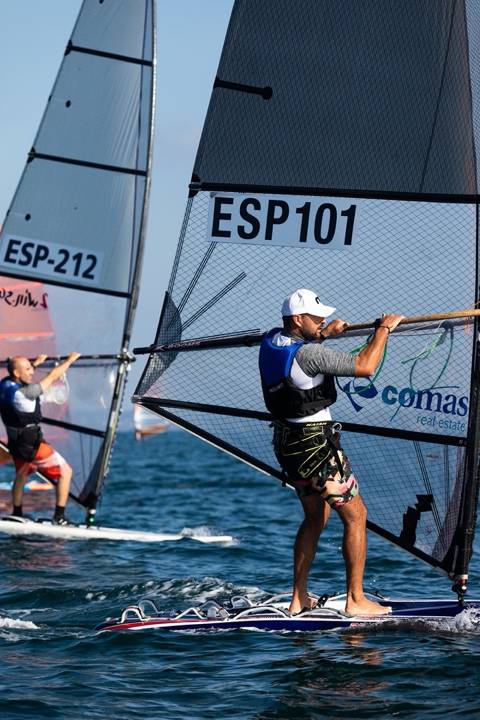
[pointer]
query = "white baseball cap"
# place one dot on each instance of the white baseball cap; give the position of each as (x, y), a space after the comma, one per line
(302, 302)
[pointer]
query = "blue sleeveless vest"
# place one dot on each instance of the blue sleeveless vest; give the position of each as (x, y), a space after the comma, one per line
(282, 397)
(24, 432)
(11, 416)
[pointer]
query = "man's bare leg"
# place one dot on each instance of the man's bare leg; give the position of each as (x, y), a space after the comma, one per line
(17, 490)
(316, 515)
(354, 518)
(63, 485)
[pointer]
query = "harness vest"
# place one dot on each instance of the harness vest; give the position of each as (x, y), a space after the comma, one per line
(282, 397)
(23, 430)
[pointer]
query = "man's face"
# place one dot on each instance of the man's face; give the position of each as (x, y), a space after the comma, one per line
(23, 370)
(310, 326)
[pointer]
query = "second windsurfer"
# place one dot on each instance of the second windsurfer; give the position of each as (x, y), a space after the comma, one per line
(21, 414)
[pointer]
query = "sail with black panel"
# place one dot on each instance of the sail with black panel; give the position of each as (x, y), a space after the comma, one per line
(339, 153)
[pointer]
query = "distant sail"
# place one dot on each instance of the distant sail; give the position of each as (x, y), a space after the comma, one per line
(72, 241)
(340, 153)
(147, 424)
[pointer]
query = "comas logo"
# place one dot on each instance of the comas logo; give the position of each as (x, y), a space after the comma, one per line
(422, 389)
(431, 400)
(436, 400)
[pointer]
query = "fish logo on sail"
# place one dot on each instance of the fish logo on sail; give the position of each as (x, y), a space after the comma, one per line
(356, 393)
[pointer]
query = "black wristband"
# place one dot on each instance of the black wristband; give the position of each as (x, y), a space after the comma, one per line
(378, 324)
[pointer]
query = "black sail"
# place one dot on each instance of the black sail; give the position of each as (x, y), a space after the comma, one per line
(339, 154)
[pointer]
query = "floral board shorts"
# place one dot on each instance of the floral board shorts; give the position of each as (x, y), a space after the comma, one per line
(313, 461)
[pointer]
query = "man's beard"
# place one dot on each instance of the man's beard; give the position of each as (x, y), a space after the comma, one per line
(312, 335)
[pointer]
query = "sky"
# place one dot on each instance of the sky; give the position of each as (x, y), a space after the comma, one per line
(190, 34)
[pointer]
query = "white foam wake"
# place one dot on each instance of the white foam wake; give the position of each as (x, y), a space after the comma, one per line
(466, 621)
(10, 623)
(206, 534)
(199, 591)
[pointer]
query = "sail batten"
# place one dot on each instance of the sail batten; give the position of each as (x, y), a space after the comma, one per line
(59, 283)
(84, 163)
(161, 402)
(77, 428)
(110, 56)
(374, 194)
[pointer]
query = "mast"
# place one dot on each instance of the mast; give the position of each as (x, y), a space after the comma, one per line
(462, 547)
(118, 394)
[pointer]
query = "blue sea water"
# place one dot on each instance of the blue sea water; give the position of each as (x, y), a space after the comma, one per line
(52, 595)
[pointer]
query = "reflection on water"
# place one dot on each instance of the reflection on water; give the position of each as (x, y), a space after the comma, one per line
(330, 677)
(23, 554)
(357, 644)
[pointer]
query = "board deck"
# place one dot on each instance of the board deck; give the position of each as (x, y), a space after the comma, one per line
(23, 527)
(273, 615)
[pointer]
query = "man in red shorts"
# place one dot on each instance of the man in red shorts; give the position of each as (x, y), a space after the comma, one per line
(21, 414)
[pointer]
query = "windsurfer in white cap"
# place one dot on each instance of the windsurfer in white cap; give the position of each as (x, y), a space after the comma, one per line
(297, 373)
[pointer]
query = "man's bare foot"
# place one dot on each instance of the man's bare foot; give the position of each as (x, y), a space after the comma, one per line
(298, 604)
(365, 607)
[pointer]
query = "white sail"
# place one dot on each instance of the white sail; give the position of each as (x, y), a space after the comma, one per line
(147, 424)
(71, 244)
